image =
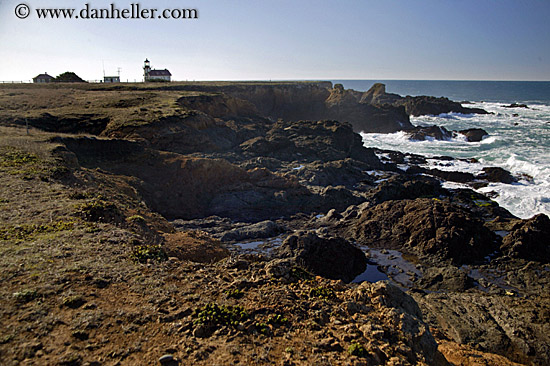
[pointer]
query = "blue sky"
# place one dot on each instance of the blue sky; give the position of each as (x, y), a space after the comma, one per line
(284, 39)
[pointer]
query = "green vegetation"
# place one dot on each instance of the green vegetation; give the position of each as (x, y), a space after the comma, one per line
(277, 319)
(16, 158)
(234, 293)
(143, 253)
(68, 77)
(136, 219)
(356, 349)
(98, 210)
(322, 293)
(21, 233)
(214, 314)
(301, 274)
(272, 321)
(25, 295)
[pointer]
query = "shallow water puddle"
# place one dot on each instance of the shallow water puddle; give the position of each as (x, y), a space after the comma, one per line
(371, 274)
(392, 265)
(264, 246)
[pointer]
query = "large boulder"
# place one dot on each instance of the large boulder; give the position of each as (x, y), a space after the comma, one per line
(497, 174)
(529, 239)
(421, 133)
(436, 231)
(333, 258)
(474, 134)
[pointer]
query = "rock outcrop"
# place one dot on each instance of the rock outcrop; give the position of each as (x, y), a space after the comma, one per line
(333, 258)
(529, 239)
(474, 134)
(434, 230)
(416, 106)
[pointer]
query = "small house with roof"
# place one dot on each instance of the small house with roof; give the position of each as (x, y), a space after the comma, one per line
(153, 74)
(111, 79)
(43, 78)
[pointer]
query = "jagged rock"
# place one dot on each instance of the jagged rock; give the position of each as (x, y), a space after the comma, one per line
(425, 105)
(377, 95)
(435, 230)
(474, 134)
(415, 106)
(406, 313)
(264, 229)
(347, 172)
(333, 258)
(434, 132)
(517, 329)
(516, 105)
(405, 187)
(347, 105)
(496, 174)
(528, 239)
(445, 278)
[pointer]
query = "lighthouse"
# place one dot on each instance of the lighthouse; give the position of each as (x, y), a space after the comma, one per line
(146, 70)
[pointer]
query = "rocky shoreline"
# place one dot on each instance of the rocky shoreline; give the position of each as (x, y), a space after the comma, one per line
(270, 184)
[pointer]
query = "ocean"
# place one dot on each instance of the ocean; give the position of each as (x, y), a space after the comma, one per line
(518, 141)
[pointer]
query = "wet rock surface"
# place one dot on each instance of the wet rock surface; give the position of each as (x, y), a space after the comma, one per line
(474, 134)
(435, 230)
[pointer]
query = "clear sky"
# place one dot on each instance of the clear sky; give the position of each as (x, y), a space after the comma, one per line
(287, 39)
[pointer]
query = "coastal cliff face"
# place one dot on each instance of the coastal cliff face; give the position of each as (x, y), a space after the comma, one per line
(228, 223)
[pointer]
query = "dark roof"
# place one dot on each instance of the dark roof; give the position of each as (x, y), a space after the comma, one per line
(159, 73)
(43, 76)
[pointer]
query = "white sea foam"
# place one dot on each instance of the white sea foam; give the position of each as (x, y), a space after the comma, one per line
(519, 141)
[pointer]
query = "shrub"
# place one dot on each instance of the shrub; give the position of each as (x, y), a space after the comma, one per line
(356, 349)
(322, 293)
(234, 293)
(143, 253)
(136, 219)
(98, 210)
(216, 315)
(29, 231)
(15, 158)
(277, 319)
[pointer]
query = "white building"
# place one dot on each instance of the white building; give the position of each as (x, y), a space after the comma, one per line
(111, 79)
(155, 75)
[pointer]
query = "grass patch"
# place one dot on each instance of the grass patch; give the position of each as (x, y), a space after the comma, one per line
(16, 158)
(218, 315)
(136, 219)
(322, 293)
(143, 253)
(28, 232)
(234, 293)
(98, 210)
(356, 349)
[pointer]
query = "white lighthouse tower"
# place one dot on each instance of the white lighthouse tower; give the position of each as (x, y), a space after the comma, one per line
(146, 70)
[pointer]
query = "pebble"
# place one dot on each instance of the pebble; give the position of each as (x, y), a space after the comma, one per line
(166, 359)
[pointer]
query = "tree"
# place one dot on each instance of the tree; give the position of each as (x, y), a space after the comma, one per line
(69, 77)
